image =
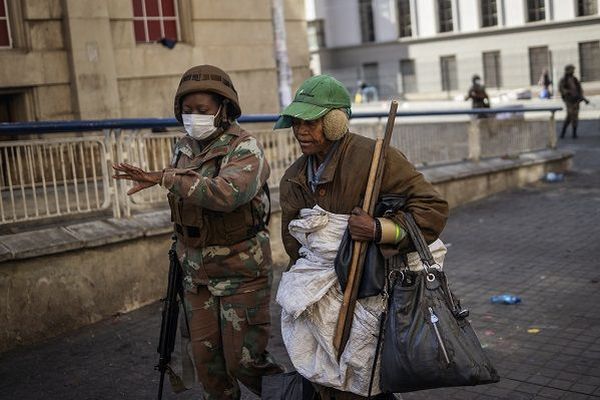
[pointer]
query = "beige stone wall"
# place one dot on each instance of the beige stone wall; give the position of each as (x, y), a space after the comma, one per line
(232, 35)
(77, 59)
(38, 64)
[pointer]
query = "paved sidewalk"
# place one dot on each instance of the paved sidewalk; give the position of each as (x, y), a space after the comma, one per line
(541, 243)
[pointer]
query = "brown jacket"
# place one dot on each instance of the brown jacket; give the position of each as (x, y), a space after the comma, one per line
(344, 181)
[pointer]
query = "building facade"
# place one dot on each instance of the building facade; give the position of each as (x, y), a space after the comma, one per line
(95, 59)
(432, 48)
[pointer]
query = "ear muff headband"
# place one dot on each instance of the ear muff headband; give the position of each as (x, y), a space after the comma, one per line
(335, 124)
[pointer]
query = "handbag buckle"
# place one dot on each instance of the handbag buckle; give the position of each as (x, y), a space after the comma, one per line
(430, 277)
(392, 275)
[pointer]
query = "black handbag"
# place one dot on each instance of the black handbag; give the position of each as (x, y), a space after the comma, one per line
(372, 281)
(426, 337)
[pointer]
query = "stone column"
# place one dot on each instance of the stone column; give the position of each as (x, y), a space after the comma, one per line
(474, 139)
(94, 88)
(552, 132)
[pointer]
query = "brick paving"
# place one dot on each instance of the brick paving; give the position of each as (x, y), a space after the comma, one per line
(540, 243)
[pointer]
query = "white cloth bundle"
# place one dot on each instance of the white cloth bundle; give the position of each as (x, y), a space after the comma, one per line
(310, 298)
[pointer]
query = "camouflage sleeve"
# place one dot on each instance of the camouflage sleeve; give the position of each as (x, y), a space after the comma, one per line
(242, 174)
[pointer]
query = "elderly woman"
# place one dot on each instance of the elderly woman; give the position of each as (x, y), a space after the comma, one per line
(319, 195)
(216, 183)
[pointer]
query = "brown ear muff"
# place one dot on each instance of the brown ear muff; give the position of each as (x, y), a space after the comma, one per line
(335, 124)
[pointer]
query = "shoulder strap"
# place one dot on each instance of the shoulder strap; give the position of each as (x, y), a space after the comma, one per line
(268, 193)
(418, 240)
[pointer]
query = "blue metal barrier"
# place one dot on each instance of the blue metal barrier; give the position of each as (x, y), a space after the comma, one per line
(159, 123)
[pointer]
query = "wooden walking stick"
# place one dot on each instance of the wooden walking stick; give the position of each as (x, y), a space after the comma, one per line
(344, 323)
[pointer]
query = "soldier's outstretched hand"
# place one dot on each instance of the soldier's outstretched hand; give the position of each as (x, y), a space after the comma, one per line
(142, 179)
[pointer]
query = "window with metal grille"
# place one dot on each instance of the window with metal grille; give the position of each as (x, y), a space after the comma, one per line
(536, 10)
(155, 19)
(589, 61)
(489, 13)
(539, 60)
(492, 75)
(409, 76)
(587, 7)
(449, 74)
(445, 16)
(404, 25)
(5, 38)
(316, 34)
(367, 26)
(371, 75)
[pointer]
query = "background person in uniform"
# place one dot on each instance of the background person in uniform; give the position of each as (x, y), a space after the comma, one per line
(333, 171)
(215, 183)
(572, 94)
(478, 95)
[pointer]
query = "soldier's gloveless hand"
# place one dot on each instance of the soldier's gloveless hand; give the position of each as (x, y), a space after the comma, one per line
(142, 179)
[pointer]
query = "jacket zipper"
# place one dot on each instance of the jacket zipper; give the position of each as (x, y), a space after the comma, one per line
(434, 321)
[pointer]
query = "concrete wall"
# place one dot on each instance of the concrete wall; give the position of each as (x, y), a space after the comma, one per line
(78, 58)
(385, 20)
(470, 15)
(38, 65)
(46, 296)
(427, 18)
(342, 23)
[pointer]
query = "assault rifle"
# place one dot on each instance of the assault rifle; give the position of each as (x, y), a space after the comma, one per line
(168, 326)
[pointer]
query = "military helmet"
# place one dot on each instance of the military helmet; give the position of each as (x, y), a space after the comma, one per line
(207, 78)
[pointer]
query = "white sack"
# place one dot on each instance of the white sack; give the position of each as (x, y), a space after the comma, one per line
(310, 298)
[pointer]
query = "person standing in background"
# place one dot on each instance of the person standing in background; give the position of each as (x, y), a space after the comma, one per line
(478, 95)
(572, 94)
(546, 83)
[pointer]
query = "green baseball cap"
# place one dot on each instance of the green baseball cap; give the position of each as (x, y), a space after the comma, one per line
(315, 98)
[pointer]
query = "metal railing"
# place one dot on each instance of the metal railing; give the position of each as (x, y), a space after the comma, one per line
(64, 170)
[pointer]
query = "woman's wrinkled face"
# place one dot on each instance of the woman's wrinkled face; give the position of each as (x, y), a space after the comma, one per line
(310, 136)
(199, 103)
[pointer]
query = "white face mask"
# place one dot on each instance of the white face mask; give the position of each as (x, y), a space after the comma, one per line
(199, 126)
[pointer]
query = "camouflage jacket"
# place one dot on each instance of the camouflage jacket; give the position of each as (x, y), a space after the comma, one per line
(222, 176)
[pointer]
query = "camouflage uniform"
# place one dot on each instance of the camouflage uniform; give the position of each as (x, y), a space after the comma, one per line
(227, 286)
(572, 94)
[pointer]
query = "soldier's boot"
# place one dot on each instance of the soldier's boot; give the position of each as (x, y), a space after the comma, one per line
(574, 127)
(564, 129)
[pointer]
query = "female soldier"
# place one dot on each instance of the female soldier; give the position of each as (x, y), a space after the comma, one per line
(216, 190)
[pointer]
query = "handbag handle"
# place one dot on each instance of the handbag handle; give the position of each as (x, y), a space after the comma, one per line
(418, 240)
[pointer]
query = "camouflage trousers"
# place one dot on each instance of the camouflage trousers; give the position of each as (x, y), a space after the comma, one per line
(573, 112)
(229, 336)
